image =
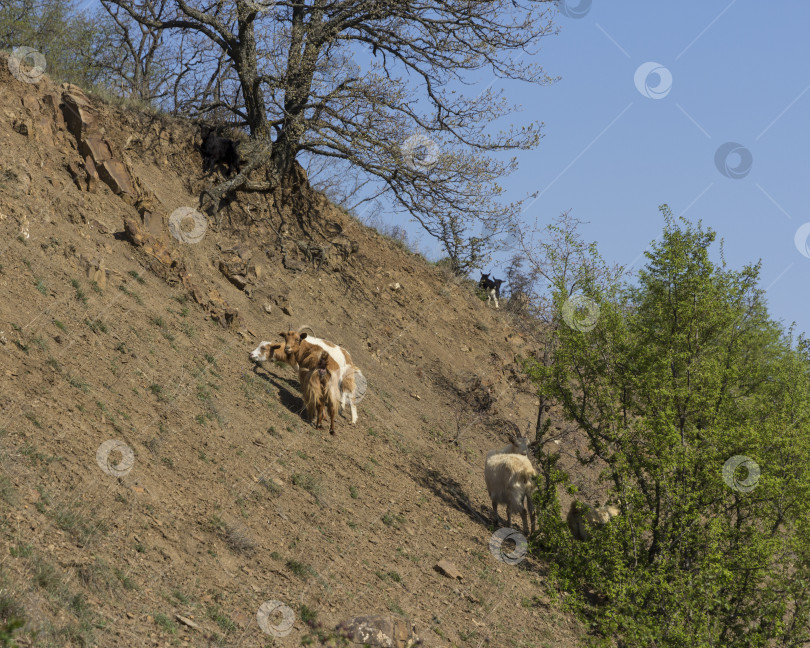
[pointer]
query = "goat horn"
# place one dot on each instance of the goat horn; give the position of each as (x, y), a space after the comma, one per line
(305, 326)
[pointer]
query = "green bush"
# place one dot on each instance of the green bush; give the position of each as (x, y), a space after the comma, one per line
(684, 371)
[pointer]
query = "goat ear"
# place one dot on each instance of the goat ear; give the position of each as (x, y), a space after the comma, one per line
(303, 335)
(284, 335)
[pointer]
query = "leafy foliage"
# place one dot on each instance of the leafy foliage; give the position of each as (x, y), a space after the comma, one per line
(55, 29)
(683, 372)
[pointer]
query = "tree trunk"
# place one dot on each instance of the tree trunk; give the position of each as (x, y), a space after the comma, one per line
(246, 67)
(538, 428)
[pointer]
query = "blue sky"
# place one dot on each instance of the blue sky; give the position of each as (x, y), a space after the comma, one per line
(739, 73)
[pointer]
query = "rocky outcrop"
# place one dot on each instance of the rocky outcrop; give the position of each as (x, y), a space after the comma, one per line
(96, 152)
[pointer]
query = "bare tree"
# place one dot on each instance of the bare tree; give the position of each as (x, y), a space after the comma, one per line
(558, 262)
(290, 79)
(132, 56)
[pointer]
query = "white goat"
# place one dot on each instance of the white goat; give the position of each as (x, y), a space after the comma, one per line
(581, 516)
(510, 481)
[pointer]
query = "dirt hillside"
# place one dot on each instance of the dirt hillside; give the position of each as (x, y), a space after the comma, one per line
(224, 497)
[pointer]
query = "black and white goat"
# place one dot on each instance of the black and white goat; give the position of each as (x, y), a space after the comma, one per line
(492, 287)
(216, 149)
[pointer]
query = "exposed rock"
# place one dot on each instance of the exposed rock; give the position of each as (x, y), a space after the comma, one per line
(31, 103)
(138, 237)
(240, 281)
(101, 227)
(22, 126)
(115, 174)
(96, 147)
(51, 101)
(78, 113)
(448, 569)
(186, 621)
(81, 122)
(153, 223)
(92, 175)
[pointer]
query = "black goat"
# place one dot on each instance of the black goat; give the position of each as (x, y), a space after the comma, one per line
(216, 149)
(492, 287)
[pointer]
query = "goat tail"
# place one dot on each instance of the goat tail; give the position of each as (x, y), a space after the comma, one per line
(334, 389)
(310, 390)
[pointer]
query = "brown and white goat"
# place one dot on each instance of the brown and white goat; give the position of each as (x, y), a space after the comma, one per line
(310, 359)
(346, 377)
